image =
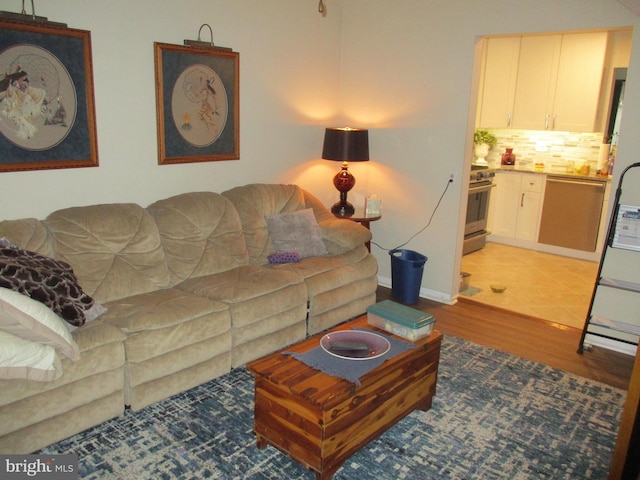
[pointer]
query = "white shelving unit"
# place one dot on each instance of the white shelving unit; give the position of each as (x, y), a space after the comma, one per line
(614, 310)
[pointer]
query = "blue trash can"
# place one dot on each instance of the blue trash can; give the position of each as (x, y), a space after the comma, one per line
(407, 267)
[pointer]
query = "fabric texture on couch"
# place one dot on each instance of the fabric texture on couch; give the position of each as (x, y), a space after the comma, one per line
(209, 258)
(48, 281)
(340, 285)
(90, 391)
(189, 293)
(200, 234)
(116, 249)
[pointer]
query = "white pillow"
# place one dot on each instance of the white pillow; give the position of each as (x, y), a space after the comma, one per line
(31, 320)
(23, 359)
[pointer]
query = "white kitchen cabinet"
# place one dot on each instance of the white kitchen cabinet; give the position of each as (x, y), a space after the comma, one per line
(502, 206)
(537, 75)
(559, 81)
(580, 72)
(542, 82)
(529, 206)
(498, 84)
(516, 205)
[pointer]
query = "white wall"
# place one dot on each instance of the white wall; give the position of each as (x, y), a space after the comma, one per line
(289, 79)
(402, 68)
(408, 75)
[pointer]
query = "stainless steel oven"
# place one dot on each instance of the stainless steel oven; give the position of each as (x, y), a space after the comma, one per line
(475, 230)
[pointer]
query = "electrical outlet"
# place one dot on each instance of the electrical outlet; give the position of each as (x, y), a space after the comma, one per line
(451, 178)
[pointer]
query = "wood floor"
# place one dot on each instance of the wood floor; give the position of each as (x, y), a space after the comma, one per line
(526, 336)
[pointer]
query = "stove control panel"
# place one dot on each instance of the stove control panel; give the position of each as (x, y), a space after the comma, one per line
(482, 176)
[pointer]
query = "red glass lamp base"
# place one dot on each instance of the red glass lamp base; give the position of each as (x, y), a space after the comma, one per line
(344, 182)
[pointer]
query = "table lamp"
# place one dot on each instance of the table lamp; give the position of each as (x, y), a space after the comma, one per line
(344, 145)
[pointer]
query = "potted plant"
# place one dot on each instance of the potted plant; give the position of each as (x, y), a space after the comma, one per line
(483, 141)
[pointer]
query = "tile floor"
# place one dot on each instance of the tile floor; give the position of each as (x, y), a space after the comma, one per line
(547, 286)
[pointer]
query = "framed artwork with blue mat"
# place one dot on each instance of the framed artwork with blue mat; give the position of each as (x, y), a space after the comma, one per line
(47, 113)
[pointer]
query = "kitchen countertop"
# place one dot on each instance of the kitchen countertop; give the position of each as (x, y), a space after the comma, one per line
(552, 171)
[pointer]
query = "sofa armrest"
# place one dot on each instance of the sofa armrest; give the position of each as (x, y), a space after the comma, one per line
(339, 235)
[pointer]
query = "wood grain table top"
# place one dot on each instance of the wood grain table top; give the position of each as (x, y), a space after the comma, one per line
(315, 386)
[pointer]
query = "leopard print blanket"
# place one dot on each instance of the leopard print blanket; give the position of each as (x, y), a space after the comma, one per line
(49, 281)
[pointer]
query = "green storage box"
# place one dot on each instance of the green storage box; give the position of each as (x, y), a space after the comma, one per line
(400, 320)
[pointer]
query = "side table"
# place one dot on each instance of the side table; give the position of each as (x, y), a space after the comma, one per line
(361, 217)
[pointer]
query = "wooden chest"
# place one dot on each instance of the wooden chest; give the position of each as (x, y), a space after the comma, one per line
(320, 420)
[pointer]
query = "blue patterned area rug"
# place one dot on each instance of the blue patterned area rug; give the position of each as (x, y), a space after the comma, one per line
(494, 416)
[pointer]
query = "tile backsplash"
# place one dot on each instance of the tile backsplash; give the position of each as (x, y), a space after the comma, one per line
(554, 149)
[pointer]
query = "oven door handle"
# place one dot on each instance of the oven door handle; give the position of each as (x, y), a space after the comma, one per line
(482, 188)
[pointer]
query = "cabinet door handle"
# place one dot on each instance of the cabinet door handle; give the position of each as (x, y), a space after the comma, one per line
(522, 200)
(509, 119)
(546, 122)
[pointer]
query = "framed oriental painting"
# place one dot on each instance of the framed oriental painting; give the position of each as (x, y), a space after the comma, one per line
(47, 116)
(197, 104)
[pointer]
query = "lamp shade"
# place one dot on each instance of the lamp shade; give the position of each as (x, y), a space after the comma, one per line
(346, 144)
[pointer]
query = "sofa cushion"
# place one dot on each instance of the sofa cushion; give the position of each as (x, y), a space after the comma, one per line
(27, 360)
(296, 232)
(28, 233)
(313, 266)
(201, 234)
(31, 320)
(255, 291)
(253, 202)
(158, 310)
(241, 284)
(101, 351)
(114, 249)
(175, 340)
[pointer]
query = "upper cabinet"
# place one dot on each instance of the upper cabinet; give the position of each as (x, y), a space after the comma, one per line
(498, 87)
(580, 72)
(537, 78)
(543, 82)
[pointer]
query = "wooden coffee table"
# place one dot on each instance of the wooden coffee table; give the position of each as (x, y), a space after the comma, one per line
(321, 420)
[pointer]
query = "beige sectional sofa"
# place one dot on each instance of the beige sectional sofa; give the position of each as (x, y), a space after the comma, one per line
(189, 293)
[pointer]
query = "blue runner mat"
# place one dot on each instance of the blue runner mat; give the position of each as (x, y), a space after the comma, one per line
(350, 370)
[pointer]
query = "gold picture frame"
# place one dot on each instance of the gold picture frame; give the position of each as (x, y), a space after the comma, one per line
(197, 103)
(47, 106)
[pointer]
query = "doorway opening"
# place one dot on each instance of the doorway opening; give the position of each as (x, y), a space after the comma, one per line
(550, 286)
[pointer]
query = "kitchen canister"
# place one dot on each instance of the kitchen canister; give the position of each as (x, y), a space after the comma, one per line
(508, 157)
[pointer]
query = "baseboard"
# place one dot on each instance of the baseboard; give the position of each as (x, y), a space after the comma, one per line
(425, 293)
(541, 247)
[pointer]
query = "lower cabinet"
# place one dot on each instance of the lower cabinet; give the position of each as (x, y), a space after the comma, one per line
(516, 209)
(516, 203)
